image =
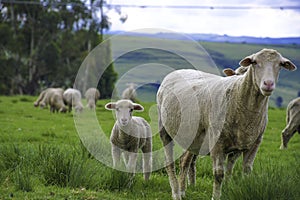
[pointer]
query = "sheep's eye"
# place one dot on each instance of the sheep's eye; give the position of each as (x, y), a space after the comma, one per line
(117, 109)
(131, 110)
(254, 62)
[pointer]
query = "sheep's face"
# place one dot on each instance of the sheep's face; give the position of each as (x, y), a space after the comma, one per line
(124, 110)
(266, 65)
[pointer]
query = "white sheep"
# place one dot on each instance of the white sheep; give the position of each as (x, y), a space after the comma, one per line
(44, 97)
(72, 98)
(92, 95)
(221, 116)
(129, 134)
(130, 92)
(292, 122)
(56, 102)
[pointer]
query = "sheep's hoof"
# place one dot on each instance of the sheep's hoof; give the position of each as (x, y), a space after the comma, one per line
(282, 147)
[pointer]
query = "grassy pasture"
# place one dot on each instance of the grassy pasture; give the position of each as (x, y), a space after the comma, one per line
(41, 157)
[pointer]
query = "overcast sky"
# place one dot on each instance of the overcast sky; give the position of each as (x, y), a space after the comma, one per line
(255, 21)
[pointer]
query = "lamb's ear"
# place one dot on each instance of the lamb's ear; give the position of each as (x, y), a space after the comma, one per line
(138, 107)
(247, 61)
(110, 106)
(229, 72)
(287, 64)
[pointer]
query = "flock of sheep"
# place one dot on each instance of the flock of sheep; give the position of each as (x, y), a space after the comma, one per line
(63, 101)
(206, 114)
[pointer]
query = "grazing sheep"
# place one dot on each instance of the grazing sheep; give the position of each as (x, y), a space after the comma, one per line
(44, 97)
(92, 95)
(239, 71)
(130, 134)
(292, 122)
(129, 92)
(221, 116)
(56, 102)
(72, 98)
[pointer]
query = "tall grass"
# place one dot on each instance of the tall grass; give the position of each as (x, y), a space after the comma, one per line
(268, 181)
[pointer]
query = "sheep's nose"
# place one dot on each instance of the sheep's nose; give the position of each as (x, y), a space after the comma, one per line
(124, 120)
(269, 83)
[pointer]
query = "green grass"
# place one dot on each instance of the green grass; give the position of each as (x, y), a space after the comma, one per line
(42, 157)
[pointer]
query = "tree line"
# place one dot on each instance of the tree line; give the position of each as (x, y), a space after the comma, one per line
(43, 43)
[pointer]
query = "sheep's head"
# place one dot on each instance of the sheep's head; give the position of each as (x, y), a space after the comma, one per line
(124, 109)
(266, 65)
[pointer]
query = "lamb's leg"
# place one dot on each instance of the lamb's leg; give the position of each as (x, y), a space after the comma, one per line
(287, 134)
(231, 162)
(218, 169)
(249, 156)
(185, 162)
(147, 159)
(192, 171)
(168, 148)
(116, 154)
(132, 162)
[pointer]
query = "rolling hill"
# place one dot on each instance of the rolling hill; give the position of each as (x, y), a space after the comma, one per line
(147, 66)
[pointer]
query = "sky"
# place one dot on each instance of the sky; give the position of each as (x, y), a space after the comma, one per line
(257, 20)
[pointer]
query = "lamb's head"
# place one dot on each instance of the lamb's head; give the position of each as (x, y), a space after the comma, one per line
(266, 65)
(124, 109)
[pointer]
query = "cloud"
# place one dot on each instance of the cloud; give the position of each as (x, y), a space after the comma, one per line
(236, 22)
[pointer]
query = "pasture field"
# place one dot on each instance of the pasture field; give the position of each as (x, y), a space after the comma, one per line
(41, 157)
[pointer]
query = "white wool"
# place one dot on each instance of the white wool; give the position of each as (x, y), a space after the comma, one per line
(181, 94)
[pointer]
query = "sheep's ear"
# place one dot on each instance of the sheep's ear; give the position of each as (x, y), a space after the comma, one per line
(138, 107)
(229, 72)
(110, 106)
(287, 64)
(247, 61)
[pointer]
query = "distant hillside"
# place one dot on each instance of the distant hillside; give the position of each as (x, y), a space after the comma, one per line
(151, 65)
(221, 38)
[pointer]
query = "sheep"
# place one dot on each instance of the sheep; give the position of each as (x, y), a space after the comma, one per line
(44, 97)
(72, 98)
(92, 95)
(220, 116)
(129, 92)
(129, 134)
(292, 121)
(56, 102)
(239, 71)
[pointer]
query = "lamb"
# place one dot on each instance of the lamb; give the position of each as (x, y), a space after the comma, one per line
(72, 98)
(92, 95)
(129, 92)
(292, 121)
(221, 116)
(129, 134)
(44, 97)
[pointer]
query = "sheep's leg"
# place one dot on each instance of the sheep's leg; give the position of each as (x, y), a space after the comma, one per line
(185, 162)
(231, 159)
(125, 157)
(249, 156)
(147, 159)
(218, 168)
(116, 155)
(169, 158)
(287, 134)
(132, 162)
(192, 171)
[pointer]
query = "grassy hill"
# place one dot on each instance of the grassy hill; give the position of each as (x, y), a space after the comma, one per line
(149, 65)
(42, 157)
